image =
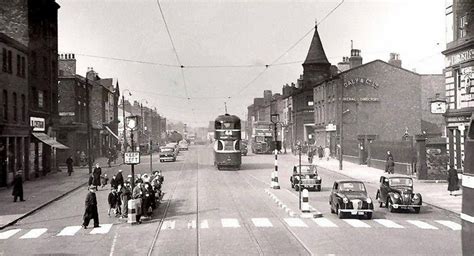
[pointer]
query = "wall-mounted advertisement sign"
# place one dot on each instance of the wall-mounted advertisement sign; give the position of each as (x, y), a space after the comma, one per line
(38, 124)
(361, 81)
(459, 57)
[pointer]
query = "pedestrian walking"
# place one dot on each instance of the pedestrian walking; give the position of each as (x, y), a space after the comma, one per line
(320, 152)
(453, 180)
(119, 178)
(91, 209)
(327, 153)
(69, 163)
(113, 182)
(125, 195)
(18, 186)
(97, 173)
(137, 194)
(310, 155)
(390, 163)
(112, 199)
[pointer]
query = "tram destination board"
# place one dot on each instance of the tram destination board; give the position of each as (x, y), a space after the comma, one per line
(132, 157)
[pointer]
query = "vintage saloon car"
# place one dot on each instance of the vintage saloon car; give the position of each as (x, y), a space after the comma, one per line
(396, 192)
(167, 153)
(310, 179)
(349, 197)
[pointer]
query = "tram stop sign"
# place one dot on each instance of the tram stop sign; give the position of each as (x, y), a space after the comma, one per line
(132, 157)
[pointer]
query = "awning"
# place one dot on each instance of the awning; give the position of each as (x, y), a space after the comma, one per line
(111, 132)
(48, 140)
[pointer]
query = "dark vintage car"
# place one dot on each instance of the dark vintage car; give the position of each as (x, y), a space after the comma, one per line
(309, 177)
(396, 192)
(349, 198)
(167, 153)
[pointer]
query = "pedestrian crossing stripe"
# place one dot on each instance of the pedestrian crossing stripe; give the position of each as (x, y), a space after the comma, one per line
(230, 223)
(192, 224)
(69, 231)
(450, 224)
(103, 229)
(326, 223)
(34, 233)
(421, 224)
(168, 224)
(7, 234)
(388, 223)
(357, 223)
(295, 222)
(204, 224)
(262, 222)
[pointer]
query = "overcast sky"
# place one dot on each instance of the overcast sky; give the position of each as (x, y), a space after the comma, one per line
(228, 33)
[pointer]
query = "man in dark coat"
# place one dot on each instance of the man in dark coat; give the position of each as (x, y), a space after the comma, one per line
(119, 178)
(97, 173)
(453, 180)
(320, 152)
(69, 163)
(18, 186)
(390, 163)
(91, 209)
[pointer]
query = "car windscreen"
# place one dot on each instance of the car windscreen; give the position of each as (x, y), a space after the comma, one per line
(307, 169)
(351, 187)
(400, 182)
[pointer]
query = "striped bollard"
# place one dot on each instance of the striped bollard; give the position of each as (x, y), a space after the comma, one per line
(132, 211)
(275, 184)
(305, 201)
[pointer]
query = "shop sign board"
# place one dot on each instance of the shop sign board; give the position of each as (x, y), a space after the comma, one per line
(459, 57)
(132, 157)
(38, 124)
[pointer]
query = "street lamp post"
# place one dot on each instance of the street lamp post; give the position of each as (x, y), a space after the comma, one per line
(123, 120)
(298, 147)
(132, 123)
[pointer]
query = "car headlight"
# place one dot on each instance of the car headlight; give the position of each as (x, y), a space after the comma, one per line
(396, 196)
(369, 201)
(415, 197)
(345, 200)
(319, 178)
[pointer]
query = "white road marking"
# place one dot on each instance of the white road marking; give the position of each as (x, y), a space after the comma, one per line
(34, 233)
(450, 224)
(323, 222)
(295, 222)
(421, 224)
(69, 231)
(168, 224)
(357, 223)
(112, 249)
(204, 224)
(192, 224)
(262, 222)
(7, 234)
(388, 223)
(230, 223)
(103, 229)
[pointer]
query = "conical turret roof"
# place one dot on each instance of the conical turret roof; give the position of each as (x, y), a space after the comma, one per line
(316, 53)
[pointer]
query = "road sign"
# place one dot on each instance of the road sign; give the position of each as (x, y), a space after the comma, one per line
(132, 157)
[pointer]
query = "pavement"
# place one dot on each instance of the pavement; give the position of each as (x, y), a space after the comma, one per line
(434, 193)
(42, 191)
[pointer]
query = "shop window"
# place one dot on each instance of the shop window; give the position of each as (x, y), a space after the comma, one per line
(5, 104)
(15, 107)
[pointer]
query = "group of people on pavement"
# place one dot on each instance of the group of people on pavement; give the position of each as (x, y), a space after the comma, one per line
(145, 191)
(320, 151)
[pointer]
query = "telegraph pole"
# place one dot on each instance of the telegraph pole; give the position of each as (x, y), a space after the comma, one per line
(89, 127)
(341, 125)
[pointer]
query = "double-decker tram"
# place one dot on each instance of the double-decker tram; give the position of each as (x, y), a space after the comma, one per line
(227, 132)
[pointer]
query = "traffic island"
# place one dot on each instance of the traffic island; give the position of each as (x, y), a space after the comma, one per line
(312, 213)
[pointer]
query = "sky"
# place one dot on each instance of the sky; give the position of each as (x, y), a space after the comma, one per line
(225, 45)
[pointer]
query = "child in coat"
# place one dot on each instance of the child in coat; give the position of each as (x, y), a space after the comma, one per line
(113, 198)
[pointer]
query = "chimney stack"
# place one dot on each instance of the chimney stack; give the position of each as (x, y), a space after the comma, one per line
(355, 60)
(395, 59)
(66, 64)
(344, 64)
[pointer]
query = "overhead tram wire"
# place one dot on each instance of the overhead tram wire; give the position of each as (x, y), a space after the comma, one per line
(174, 49)
(287, 51)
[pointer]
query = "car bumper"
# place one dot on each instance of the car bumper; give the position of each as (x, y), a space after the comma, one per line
(406, 206)
(167, 158)
(357, 211)
(312, 186)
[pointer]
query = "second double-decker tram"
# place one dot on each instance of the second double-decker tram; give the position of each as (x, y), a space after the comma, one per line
(227, 135)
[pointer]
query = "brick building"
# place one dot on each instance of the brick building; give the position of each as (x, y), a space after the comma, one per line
(383, 107)
(14, 122)
(459, 76)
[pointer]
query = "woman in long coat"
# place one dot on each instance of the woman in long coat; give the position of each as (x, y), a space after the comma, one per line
(453, 180)
(91, 211)
(97, 173)
(18, 186)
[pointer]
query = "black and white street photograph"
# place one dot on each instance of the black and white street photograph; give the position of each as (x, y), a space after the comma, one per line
(236, 127)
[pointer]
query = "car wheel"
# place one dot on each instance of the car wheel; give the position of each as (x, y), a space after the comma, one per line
(417, 209)
(390, 205)
(368, 215)
(340, 214)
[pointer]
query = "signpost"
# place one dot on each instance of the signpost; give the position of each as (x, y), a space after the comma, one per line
(133, 157)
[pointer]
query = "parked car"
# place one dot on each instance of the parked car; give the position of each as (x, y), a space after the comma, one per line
(349, 197)
(243, 147)
(175, 146)
(396, 192)
(309, 177)
(183, 145)
(167, 153)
